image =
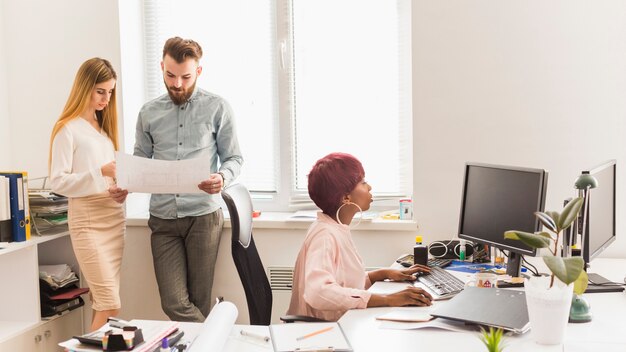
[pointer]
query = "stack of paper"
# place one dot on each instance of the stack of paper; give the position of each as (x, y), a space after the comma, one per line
(49, 210)
(57, 275)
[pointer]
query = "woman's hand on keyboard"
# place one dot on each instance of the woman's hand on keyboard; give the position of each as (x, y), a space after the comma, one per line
(408, 274)
(410, 296)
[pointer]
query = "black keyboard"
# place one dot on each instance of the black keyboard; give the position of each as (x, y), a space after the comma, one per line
(441, 282)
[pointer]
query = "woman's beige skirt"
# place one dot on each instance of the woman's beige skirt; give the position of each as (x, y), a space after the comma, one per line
(97, 224)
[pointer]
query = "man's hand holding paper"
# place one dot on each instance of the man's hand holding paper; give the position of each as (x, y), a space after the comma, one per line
(213, 185)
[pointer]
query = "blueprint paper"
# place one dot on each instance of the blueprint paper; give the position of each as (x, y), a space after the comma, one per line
(143, 175)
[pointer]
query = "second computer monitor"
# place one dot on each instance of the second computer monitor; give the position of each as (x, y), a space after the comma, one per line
(600, 231)
(499, 198)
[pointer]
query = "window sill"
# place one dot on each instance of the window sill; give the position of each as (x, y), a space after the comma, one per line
(280, 220)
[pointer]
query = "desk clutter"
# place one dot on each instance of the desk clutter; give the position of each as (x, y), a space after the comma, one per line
(48, 210)
(58, 290)
(120, 335)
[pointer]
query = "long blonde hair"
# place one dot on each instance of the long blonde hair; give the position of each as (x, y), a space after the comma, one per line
(90, 73)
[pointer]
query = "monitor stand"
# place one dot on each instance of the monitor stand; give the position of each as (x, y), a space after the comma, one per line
(514, 264)
(598, 283)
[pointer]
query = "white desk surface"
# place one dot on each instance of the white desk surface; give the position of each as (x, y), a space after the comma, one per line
(607, 331)
(236, 342)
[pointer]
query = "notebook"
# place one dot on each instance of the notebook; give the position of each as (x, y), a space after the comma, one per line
(500, 308)
(309, 337)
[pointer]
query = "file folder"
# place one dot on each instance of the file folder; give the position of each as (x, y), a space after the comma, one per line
(27, 220)
(16, 197)
(6, 233)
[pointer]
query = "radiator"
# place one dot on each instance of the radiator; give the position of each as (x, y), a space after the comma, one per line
(281, 280)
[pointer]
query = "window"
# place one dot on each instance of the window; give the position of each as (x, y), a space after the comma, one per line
(304, 78)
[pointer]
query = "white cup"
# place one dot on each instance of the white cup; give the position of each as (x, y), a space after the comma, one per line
(483, 280)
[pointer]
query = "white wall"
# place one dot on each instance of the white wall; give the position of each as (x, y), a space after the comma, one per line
(44, 44)
(5, 121)
(532, 83)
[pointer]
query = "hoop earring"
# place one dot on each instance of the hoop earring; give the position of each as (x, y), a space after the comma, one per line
(360, 212)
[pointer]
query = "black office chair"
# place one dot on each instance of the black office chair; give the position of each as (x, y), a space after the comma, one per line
(247, 260)
(246, 257)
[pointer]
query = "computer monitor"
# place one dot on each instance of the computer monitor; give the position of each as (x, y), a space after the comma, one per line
(600, 228)
(500, 198)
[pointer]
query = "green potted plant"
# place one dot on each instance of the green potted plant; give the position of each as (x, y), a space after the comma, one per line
(549, 298)
(493, 339)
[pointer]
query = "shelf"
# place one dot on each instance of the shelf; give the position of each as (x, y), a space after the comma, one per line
(34, 240)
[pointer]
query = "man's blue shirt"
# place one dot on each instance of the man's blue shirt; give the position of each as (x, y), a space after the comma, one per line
(201, 127)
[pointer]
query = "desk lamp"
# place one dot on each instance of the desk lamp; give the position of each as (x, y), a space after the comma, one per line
(580, 311)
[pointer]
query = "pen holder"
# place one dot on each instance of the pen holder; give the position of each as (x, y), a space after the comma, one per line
(130, 337)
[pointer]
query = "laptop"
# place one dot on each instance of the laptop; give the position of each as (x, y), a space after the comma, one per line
(500, 308)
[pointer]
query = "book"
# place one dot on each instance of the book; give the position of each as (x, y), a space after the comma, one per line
(409, 316)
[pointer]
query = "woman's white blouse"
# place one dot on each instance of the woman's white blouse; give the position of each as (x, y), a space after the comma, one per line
(78, 153)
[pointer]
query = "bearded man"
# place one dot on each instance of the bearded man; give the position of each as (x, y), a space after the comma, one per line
(187, 122)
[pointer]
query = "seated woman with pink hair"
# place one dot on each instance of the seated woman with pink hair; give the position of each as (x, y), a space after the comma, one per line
(329, 276)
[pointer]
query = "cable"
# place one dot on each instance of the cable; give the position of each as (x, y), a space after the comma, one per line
(528, 266)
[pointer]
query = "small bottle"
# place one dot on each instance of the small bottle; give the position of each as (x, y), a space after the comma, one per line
(462, 250)
(420, 252)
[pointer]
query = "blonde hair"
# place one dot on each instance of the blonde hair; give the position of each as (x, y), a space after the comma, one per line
(90, 73)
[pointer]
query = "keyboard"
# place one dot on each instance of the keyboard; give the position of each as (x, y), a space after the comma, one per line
(407, 260)
(441, 282)
(439, 262)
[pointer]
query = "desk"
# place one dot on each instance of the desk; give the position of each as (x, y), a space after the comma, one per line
(235, 343)
(607, 331)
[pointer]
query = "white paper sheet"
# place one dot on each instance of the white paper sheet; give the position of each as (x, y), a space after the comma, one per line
(216, 328)
(144, 175)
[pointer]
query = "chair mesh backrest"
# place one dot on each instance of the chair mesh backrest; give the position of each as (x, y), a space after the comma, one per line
(246, 257)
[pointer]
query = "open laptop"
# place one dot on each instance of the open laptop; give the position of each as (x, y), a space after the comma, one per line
(500, 308)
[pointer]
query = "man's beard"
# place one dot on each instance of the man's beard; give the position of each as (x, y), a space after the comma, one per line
(180, 96)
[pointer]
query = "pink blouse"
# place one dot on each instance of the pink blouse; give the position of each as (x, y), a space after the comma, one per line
(329, 277)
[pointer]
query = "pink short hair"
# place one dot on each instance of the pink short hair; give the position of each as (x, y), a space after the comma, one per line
(333, 177)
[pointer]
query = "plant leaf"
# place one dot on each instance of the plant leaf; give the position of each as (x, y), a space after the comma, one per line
(566, 269)
(492, 339)
(569, 214)
(544, 234)
(530, 239)
(546, 220)
(580, 285)
(555, 216)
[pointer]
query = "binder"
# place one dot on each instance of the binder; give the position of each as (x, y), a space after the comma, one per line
(27, 219)
(500, 308)
(6, 232)
(16, 196)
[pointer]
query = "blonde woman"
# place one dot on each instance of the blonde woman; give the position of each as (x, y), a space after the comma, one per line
(82, 167)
